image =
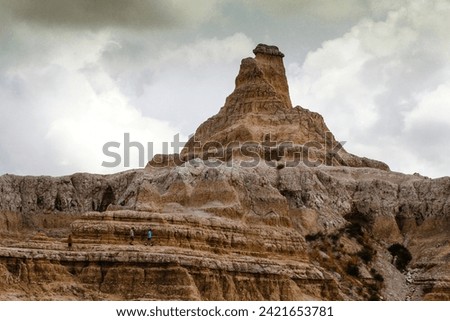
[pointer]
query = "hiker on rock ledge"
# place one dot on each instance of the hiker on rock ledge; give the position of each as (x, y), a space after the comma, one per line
(69, 242)
(149, 237)
(131, 236)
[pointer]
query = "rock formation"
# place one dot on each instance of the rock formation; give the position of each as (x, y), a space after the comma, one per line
(237, 216)
(258, 118)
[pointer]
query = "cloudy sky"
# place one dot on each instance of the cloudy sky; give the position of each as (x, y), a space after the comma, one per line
(76, 74)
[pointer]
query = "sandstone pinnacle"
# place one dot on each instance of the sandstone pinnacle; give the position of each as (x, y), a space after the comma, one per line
(260, 108)
(270, 60)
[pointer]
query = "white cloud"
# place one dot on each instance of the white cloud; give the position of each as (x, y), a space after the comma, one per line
(98, 117)
(330, 77)
(62, 102)
(190, 82)
(385, 84)
(428, 127)
(56, 115)
(223, 51)
(323, 9)
(432, 107)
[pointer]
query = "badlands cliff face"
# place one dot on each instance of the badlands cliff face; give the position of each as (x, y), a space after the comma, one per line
(262, 204)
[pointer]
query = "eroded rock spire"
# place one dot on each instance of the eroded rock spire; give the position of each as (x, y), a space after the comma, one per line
(270, 60)
(263, 77)
(259, 112)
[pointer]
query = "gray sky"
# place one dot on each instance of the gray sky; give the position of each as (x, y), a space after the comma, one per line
(75, 74)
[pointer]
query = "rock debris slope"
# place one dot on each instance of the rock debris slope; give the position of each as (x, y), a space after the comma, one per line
(262, 204)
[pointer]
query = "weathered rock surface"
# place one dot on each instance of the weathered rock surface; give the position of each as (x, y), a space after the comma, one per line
(259, 115)
(224, 231)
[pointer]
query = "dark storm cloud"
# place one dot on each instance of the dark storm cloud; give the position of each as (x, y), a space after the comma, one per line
(133, 14)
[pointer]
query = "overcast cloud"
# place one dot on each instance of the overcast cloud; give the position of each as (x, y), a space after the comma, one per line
(88, 14)
(77, 74)
(385, 86)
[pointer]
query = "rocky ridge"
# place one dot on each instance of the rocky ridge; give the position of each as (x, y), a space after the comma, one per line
(331, 226)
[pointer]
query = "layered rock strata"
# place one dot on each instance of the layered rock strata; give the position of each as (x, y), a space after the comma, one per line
(343, 228)
(258, 119)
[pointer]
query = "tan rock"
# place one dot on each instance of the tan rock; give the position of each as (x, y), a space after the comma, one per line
(247, 224)
(259, 113)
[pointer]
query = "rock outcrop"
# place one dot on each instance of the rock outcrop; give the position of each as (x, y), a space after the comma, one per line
(227, 227)
(258, 119)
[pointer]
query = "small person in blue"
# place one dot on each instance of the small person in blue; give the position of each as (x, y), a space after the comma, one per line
(149, 236)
